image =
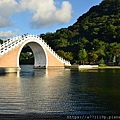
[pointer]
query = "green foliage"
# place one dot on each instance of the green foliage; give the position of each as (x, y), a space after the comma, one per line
(1, 41)
(102, 61)
(26, 56)
(82, 55)
(65, 55)
(102, 65)
(92, 57)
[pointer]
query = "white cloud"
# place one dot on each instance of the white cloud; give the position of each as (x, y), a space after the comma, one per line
(8, 34)
(7, 8)
(64, 14)
(4, 35)
(44, 12)
(47, 14)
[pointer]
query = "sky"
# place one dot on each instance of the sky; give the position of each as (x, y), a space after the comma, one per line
(18, 17)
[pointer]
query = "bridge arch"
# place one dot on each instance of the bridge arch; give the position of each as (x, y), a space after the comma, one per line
(39, 52)
(44, 55)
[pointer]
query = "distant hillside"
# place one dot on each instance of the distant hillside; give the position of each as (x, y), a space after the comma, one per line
(101, 22)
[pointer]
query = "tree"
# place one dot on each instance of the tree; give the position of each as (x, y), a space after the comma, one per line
(82, 55)
(68, 56)
(1, 41)
(99, 48)
(65, 55)
(59, 43)
(92, 57)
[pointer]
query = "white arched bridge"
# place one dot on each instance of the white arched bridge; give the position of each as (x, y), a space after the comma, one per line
(44, 56)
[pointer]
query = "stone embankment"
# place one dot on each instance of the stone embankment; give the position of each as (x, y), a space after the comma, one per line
(79, 67)
(84, 67)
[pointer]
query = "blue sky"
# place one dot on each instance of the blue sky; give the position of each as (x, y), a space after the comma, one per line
(18, 17)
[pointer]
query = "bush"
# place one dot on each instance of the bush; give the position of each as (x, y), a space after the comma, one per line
(102, 65)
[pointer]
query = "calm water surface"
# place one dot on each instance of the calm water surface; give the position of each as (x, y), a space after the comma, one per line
(60, 91)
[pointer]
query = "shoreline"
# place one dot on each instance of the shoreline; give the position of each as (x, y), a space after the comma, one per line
(109, 67)
(83, 67)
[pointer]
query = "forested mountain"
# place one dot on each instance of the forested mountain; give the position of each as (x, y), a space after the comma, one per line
(95, 37)
(101, 22)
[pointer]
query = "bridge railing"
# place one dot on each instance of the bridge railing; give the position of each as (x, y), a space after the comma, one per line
(16, 41)
(10, 44)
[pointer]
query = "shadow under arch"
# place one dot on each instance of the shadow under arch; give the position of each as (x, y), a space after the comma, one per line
(39, 52)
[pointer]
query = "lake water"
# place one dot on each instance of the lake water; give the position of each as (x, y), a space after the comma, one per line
(60, 91)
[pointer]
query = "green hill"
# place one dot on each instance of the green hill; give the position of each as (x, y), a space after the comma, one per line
(101, 22)
(94, 38)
